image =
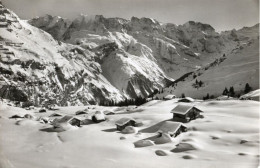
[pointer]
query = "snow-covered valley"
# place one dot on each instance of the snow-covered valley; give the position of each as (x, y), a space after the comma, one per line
(227, 136)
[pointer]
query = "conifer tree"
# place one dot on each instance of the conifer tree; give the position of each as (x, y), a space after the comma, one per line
(231, 91)
(247, 88)
(207, 97)
(200, 83)
(182, 95)
(225, 92)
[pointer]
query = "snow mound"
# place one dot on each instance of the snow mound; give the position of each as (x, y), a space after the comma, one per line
(27, 122)
(182, 147)
(64, 127)
(122, 138)
(143, 143)
(28, 116)
(161, 153)
(189, 157)
(165, 138)
(129, 130)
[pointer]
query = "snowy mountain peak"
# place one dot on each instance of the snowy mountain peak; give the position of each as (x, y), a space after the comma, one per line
(94, 59)
(200, 26)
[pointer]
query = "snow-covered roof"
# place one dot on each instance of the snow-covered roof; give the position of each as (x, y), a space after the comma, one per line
(81, 118)
(66, 118)
(108, 112)
(123, 121)
(80, 112)
(170, 127)
(169, 96)
(187, 98)
(55, 115)
(183, 109)
(99, 115)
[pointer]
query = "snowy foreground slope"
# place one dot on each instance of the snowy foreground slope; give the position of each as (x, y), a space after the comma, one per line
(227, 137)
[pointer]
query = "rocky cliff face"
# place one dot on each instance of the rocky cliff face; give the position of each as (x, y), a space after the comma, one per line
(93, 58)
(55, 25)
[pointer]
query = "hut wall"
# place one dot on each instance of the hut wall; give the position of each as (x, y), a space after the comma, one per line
(178, 116)
(75, 122)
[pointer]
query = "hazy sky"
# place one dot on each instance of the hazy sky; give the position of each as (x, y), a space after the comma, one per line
(221, 14)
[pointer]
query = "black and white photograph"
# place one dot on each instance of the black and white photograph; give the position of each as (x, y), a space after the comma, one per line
(129, 84)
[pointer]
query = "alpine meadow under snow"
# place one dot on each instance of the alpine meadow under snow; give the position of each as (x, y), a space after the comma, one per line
(110, 92)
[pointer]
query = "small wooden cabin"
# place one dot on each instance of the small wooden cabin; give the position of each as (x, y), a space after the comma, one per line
(124, 122)
(186, 112)
(172, 128)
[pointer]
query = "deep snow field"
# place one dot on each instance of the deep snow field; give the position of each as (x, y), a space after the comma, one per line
(227, 136)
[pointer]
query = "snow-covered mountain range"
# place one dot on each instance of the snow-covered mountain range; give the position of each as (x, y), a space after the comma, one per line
(234, 69)
(92, 58)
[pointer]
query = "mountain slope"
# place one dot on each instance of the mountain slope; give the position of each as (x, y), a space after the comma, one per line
(46, 69)
(236, 69)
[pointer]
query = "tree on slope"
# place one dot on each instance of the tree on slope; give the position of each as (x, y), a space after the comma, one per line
(225, 92)
(247, 88)
(182, 95)
(231, 91)
(206, 97)
(200, 83)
